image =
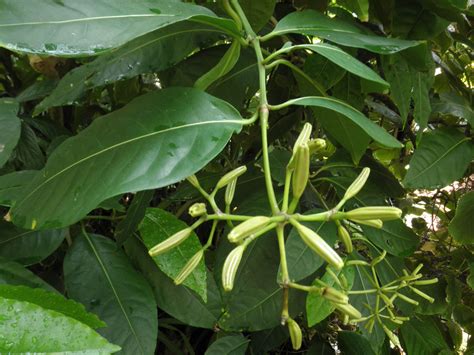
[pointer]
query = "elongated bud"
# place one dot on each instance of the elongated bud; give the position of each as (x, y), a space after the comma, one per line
(229, 192)
(393, 338)
(384, 213)
(231, 175)
(357, 184)
(348, 310)
(335, 296)
(375, 223)
(422, 294)
(301, 174)
(247, 228)
(345, 238)
(197, 210)
(407, 299)
(171, 242)
(315, 145)
(189, 267)
(303, 137)
(295, 334)
(231, 264)
(426, 282)
(319, 245)
(193, 181)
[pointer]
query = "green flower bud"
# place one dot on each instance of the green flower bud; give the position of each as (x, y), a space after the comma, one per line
(345, 238)
(383, 213)
(319, 245)
(189, 267)
(193, 181)
(315, 145)
(357, 184)
(335, 296)
(231, 175)
(375, 223)
(247, 228)
(348, 310)
(230, 191)
(301, 174)
(422, 294)
(171, 242)
(426, 282)
(407, 299)
(231, 264)
(295, 334)
(303, 137)
(197, 210)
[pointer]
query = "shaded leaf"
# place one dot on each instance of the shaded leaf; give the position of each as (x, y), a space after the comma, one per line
(460, 226)
(422, 336)
(12, 183)
(258, 12)
(229, 345)
(354, 344)
(12, 273)
(11, 128)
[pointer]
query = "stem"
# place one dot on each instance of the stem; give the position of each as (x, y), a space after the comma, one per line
(211, 235)
(286, 192)
(284, 273)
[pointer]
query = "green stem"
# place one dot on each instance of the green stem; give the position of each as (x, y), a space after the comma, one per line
(286, 192)
(285, 277)
(211, 235)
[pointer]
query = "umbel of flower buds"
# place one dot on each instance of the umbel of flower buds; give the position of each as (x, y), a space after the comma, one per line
(189, 267)
(357, 184)
(319, 245)
(171, 242)
(301, 172)
(295, 334)
(384, 213)
(230, 176)
(231, 264)
(244, 229)
(197, 210)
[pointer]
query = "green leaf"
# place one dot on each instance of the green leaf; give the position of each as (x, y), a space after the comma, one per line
(452, 104)
(352, 343)
(344, 60)
(314, 23)
(52, 301)
(229, 345)
(157, 226)
(464, 316)
(11, 128)
(12, 273)
(441, 157)
(258, 12)
(28, 151)
(89, 27)
(470, 278)
(460, 227)
(26, 246)
(321, 69)
(127, 150)
(422, 336)
(422, 82)
(359, 7)
(279, 159)
(317, 307)
(101, 277)
(11, 185)
(39, 89)
(27, 328)
(394, 237)
(153, 52)
(370, 128)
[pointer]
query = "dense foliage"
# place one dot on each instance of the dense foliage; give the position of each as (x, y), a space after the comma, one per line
(236, 177)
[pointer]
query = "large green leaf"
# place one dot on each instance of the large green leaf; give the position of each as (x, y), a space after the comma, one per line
(394, 237)
(156, 140)
(28, 328)
(359, 7)
(314, 23)
(153, 52)
(10, 128)
(453, 104)
(26, 246)
(11, 185)
(12, 273)
(441, 157)
(52, 301)
(352, 343)
(229, 345)
(157, 226)
(89, 27)
(422, 336)
(422, 82)
(100, 276)
(344, 60)
(258, 12)
(321, 69)
(460, 226)
(377, 133)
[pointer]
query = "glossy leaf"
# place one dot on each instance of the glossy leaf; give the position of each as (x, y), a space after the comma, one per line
(139, 147)
(344, 60)
(157, 226)
(370, 128)
(442, 157)
(26, 246)
(394, 237)
(52, 301)
(70, 28)
(153, 52)
(314, 23)
(12, 183)
(12, 273)
(460, 227)
(229, 345)
(10, 128)
(27, 328)
(100, 276)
